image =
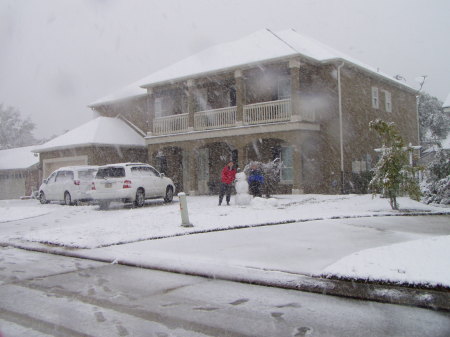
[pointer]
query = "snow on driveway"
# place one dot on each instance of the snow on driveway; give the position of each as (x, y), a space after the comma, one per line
(87, 227)
(11, 210)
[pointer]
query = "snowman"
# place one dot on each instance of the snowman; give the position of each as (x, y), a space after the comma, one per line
(242, 196)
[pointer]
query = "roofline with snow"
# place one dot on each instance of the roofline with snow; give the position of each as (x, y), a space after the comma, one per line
(241, 66)
(116, 100)
(72, 146)
(284, 58)
(27, 168)
(250, 65)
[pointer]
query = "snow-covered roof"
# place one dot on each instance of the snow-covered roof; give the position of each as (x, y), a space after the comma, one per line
(446, 102)
(263, 45)
(19, 158)
(99, 131)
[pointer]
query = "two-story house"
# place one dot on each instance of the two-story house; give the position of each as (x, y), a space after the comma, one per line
(265, 96)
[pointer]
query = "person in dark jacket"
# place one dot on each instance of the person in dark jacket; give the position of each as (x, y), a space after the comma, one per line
(255, 181)
(227, 178)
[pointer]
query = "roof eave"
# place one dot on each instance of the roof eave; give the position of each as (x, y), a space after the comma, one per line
(381, 76)
(118, 100)
(67, 147)
(242, 66)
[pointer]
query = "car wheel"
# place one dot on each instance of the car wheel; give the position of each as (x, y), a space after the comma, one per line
(67, 199)
(42, 198)
(104, 204)
(169, 194)
(140, 198)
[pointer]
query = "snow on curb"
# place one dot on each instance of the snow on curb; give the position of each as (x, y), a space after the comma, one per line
(424, 262)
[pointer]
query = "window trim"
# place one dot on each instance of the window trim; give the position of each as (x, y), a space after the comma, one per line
(375, 98)
(388, 101)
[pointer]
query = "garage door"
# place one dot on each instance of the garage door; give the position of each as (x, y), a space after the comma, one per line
(49, 165)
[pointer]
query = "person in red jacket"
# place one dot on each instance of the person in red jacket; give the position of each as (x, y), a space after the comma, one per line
(228, 176)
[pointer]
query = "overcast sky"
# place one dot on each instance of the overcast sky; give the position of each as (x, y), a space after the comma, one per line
(57, 56)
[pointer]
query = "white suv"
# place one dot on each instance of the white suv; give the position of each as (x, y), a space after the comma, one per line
(68, 185)
(130, 182)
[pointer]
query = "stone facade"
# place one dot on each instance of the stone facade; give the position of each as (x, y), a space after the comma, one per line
(89, 155)
(308, 138)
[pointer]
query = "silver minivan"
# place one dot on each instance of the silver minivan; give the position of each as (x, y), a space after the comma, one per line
(68, 185)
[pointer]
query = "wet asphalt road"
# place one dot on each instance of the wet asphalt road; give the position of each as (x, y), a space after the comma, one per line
(50, 295)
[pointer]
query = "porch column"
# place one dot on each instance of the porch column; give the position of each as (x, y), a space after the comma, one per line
(240, 96)
(294, 69)
(150, 111)
(241, 156)
(190, 103)
(297, 187)
(192, 187)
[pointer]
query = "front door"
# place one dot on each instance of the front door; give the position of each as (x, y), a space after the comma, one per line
(203, 171)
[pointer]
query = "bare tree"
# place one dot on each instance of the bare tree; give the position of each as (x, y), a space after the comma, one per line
(15, 131)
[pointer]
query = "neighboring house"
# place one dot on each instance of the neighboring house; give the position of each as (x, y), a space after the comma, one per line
(100, 141)
(265, 96)
(19, 172)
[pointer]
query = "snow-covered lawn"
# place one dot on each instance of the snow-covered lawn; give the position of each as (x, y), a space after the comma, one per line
(363, 253)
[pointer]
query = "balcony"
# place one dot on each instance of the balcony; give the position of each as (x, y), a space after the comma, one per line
(171, 124)
(215, 119)
(268, 112)
(253, 114)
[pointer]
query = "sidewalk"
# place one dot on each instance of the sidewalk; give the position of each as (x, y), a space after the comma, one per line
(307, 242)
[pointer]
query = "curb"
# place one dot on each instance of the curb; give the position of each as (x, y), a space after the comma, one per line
(356, 289)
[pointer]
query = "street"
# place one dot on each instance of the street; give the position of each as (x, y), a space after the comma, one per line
(51, 295)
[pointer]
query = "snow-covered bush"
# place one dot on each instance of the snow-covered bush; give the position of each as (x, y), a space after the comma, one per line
(271, 172)
(359, 182)
(437, 192)
(393, 175)
(436, 187)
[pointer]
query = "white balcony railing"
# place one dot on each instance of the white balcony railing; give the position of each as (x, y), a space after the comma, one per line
(268, 112)
(171, 124)
(214, 119)
(258, 113)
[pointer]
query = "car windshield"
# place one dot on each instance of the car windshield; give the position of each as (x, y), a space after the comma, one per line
(111, 172)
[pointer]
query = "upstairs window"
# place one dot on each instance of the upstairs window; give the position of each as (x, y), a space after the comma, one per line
(232, 96)
(163, 106)
(388, 101)
(158, 107)
(284, 88)
(202, 99)
(375, 98)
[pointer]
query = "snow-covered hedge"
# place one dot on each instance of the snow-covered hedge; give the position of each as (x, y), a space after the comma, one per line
(436, 188)
(437, 192)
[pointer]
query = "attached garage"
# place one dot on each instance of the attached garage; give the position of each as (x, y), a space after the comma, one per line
(52, 164)
(101, 141)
